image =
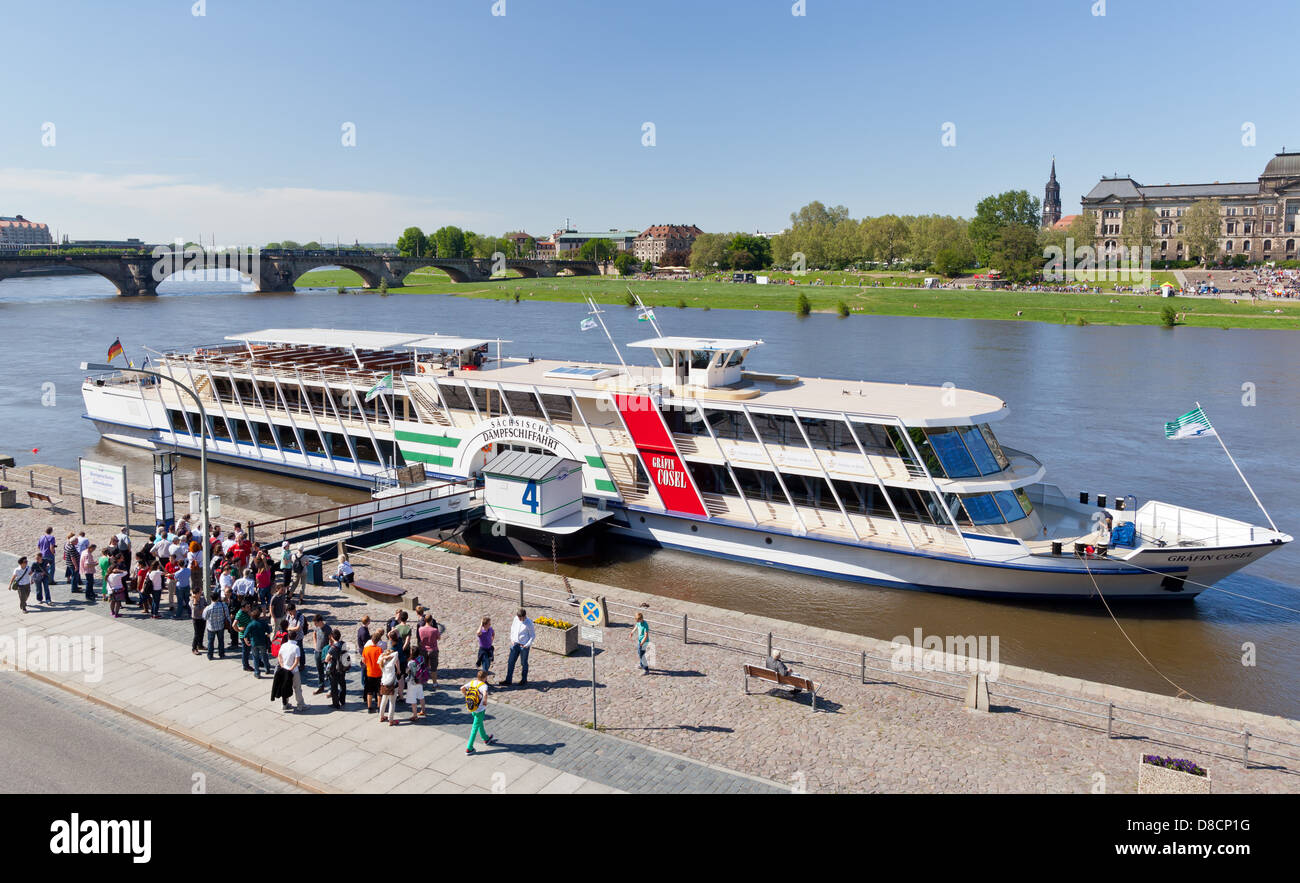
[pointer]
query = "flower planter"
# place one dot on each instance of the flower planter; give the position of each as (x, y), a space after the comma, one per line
(553, 640)
(1154, 779)
(8, 499)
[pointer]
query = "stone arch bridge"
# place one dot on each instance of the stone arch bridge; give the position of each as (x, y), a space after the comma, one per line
(269, 271)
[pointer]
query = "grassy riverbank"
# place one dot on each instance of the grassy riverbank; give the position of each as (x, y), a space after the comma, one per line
(1060, 309)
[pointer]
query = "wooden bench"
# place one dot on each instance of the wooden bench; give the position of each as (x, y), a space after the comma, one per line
(791, 681)
(383, 591)
(34, 497)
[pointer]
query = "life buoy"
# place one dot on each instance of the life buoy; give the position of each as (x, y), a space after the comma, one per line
(487, 449)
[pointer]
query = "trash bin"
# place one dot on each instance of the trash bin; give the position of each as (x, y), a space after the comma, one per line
(313, 570)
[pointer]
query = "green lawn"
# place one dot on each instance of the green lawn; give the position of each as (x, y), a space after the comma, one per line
(1068, 309)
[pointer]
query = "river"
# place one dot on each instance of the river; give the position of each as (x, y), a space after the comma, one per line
(1090, 402)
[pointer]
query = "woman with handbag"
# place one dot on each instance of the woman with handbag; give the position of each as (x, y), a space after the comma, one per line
(388, 665)
(21, 581)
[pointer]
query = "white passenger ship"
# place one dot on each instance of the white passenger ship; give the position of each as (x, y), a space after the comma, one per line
(890, 484)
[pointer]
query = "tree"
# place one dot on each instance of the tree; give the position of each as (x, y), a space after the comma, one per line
(1201, 229)
(708, 250)
(676, 259)
(814, 214)
(272, 246)
(312, 246)
(885, 238)
(525, 247)
(413, 243)
(1016, 253)
(757, 250)
(290, 245)
(951, 261)
(449, 242)
(1011, 208)
(1140, 229)
(624, 263)
(597, 250)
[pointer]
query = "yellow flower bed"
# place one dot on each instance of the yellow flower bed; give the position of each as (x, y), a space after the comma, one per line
(553, 623)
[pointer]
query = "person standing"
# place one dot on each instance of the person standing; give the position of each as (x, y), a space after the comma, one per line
(197, 605)
(47, 545)
(336, 657)
(257, 634)
(41, 577)
(390, 674)
(286, 564)
(21, 581)
(181, 586)
(116, 593)
(157, 579)
(417, 675)
(88, 565)
(216, 617)
(486, 635)
(72, 563)
(641, 634)
(522, 634)
(429, 635)
(243, 618)
(290, 662)
(475, 693)
(298, 570)
(321, 644)
(265, 577)
(370, 678)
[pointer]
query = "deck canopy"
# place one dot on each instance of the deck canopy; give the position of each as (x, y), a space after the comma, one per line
(704, 344)
(447, 342)
(330, 337)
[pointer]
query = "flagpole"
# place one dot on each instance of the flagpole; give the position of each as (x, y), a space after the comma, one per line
(649, 314)
(596, 312)
(1218, 436)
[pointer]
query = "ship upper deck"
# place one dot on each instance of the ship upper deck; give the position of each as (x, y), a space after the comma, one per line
(358, 357)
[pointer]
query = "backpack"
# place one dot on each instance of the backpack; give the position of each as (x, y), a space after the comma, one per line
(277, 642)
(473, 698)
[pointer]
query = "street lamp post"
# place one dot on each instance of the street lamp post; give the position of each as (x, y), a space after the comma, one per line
(203, 456)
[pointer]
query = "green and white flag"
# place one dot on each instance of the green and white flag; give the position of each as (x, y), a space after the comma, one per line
(1193, 424)
(383, 386)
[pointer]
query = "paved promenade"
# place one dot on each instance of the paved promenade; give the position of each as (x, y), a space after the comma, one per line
(888, 734)
(149, 673)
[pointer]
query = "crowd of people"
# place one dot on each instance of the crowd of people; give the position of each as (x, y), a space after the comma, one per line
(253, 607)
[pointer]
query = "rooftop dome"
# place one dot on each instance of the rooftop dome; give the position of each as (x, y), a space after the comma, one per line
(1283, 164)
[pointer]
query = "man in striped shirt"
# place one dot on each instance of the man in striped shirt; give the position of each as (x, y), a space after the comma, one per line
(217, 617)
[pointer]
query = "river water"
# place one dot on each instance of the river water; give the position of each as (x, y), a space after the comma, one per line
(1089, 402)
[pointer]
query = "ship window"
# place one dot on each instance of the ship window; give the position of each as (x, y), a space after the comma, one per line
(339, 445)
(365, 450)
(737, 357)
(242, 435)
(663, 357)
(979, 451)
(1009, 503)
(288, 439)
(994, 446)
(220, 430)
(982, 509)
(265, 436)
(701, 358)
(952, 454)
(312, 442)
(177, 419)
(455, 397)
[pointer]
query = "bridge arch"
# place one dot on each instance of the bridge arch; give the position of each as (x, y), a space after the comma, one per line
(128, 278)
(301, 267)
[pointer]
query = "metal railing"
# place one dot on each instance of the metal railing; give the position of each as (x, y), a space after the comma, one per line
(859, 664)
(36, 480)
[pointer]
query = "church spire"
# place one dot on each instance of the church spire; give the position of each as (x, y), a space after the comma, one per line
(1052, 199)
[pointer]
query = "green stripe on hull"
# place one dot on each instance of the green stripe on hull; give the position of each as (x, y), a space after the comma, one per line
(441, 441)
(434, 459)
(603, 485)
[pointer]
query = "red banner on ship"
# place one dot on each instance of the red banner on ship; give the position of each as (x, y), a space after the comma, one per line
(658, 456)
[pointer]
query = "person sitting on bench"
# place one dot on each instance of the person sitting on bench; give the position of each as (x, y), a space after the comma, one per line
(344, 574)
(775, 663)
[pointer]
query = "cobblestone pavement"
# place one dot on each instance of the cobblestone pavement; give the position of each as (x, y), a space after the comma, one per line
(336, 748)
(874, 737)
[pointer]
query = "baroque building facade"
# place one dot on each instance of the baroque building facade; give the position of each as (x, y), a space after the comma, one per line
(1257, 218)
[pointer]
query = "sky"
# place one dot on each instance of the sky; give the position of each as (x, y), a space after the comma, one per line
(145, 119)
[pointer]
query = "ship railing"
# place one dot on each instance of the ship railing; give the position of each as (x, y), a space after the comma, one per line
(944, 675)
(335, 519)
(1172, 525)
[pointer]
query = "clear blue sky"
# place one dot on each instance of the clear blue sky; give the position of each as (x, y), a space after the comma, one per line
(167, 124)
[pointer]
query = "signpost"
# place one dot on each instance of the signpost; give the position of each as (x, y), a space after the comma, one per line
(591, 630)
(103, 484)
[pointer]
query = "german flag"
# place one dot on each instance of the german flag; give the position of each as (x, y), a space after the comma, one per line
(115, 350)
